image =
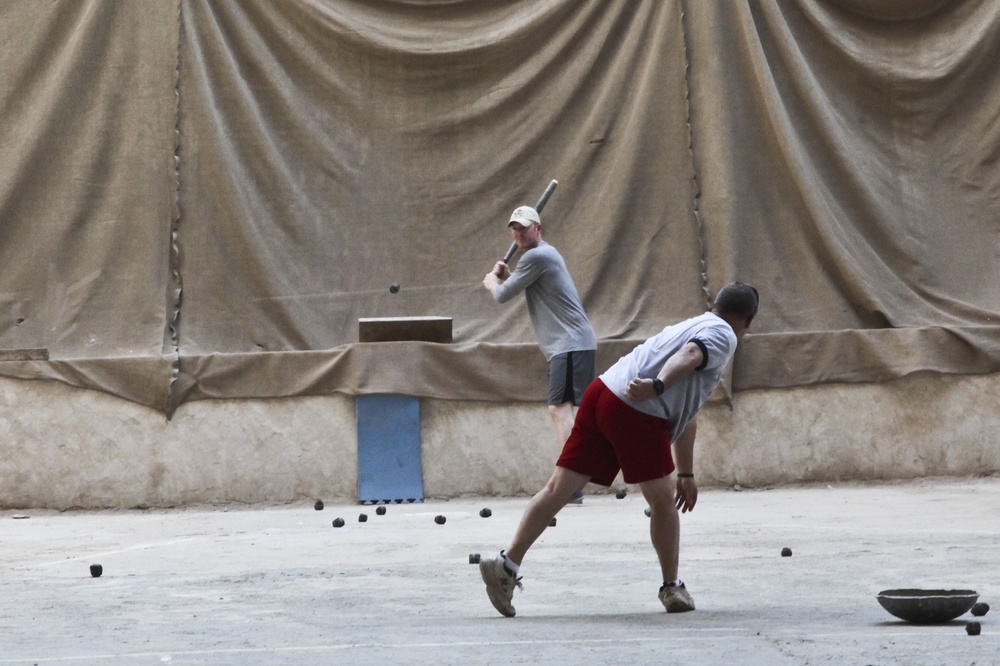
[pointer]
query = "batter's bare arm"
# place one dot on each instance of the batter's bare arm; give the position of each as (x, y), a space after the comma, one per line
(677, 367)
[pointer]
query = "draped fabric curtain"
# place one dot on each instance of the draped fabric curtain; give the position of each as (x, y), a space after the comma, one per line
(847, 154)
(199, 199)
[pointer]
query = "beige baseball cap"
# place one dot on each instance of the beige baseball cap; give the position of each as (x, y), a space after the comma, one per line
(525, 216)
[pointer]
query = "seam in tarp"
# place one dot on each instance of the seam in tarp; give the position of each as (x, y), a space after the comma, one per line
(696, 202)
(696, 193)
(175, 283)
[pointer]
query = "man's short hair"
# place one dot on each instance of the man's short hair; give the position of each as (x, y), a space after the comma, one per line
(738, 299)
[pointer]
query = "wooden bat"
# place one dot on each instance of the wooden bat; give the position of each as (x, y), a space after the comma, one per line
(542, 200)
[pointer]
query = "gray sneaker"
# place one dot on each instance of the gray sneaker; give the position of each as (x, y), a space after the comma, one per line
(500, 584)
(676, 599)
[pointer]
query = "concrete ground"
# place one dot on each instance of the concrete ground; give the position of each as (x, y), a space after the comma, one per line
(280, 585)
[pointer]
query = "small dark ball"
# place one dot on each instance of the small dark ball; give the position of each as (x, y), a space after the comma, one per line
(318, 505)
(338, 522)
(980, 609)
(96, 570)
(552, 523)
(440, 520)
(473, 558)
(973, 628)
(647, 512)
(786, 552)
(363, 518)
(380, 510)
(621, 494)
(485, 513)
(394, 288)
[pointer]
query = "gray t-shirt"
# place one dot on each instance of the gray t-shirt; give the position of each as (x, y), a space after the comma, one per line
(554, 306)
(680, 402)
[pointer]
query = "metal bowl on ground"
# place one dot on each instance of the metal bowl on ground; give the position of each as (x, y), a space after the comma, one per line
(927, 606)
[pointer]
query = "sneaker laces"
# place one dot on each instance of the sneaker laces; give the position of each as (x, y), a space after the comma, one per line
(516, 583)
(511, 576)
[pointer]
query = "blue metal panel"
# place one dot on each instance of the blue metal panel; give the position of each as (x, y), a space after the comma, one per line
(389, 468)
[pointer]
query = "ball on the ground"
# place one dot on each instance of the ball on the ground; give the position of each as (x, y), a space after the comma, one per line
(786, 552)
(648, 512)
(96, 570)
(980, 609)
(973, 628)
(473, 558)
(363, 518)
(394, 288)
(621, 494)
(318, 505)
(338, 522)
(552, 523)
(485, 513)
(380, 510)
(440, 520)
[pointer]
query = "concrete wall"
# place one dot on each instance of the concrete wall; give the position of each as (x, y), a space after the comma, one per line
(62, 447)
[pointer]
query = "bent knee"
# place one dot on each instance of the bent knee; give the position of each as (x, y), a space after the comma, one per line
(561, 409)
(659, 491)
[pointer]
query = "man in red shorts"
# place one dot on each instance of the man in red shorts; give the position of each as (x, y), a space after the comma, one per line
(628, 420)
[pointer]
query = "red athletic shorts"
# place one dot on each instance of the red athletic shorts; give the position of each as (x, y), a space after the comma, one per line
(608, 435)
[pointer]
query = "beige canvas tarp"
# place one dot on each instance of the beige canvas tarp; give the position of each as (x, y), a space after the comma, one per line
(88, 112)
(200, 199)
(847, 153)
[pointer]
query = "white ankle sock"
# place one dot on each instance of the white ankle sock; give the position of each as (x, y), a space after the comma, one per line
(509, 563)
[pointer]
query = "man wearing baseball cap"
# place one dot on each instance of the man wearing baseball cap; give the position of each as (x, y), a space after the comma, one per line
(564, 333)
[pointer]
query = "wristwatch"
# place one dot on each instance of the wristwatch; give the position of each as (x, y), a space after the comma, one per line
(658, 386)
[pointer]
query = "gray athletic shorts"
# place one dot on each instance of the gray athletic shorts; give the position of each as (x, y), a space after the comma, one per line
(569, 376)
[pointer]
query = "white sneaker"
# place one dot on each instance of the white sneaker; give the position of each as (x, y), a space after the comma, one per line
(676, 599)
(500, 583)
